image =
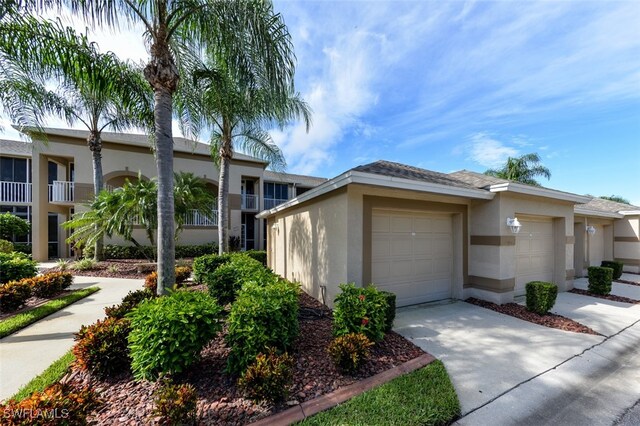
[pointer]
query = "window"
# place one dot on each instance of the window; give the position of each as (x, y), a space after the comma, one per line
(23, 212)
(14, 169)
(276, 191)
(53, 172)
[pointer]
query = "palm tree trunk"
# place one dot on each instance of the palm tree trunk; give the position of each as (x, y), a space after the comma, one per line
(95, 145)
(223, 206)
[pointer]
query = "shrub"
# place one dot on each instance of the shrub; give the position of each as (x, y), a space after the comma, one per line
(130, 301)
(16, 266)
(349, 351)
(541, 296)
(207, 264)
(22, 248)
(85, 264)
(182, 273)
(390, 312)
(50, 284)
(175, 404)
(6, 246)
(13, 295)
(12, 225)
(360, 310)
(225, 282)
(259, 255)
(40, 407)
(112, 251)
(600, 279)
(263, 315)
(616, 266)
(62, 264)
(269, 377)
(168, 333)
(101, 348)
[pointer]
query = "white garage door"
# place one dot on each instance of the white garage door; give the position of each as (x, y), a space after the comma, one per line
(412, 255)
(534, 253)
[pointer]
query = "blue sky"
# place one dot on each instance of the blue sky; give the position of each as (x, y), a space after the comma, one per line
(449, 85)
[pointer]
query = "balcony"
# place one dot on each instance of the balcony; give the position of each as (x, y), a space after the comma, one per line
(15, 192)
(249, 202)
(196, 218)
(61, 192)
(270, 203)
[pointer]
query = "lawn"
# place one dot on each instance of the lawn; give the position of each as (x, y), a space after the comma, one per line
(424, 397)
(51, 375)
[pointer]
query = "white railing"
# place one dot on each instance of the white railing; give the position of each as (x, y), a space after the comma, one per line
(196, 218)
(61, 192)
(249, 202)
(270, 203)
(15, 192)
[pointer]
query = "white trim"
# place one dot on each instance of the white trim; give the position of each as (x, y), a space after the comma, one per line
(599, 213)
(629, 212)
(352, 176)
(538, 191)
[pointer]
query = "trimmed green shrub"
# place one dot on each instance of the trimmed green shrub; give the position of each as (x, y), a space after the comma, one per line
(168, 333)
(264, 315)
(259, 255)
(269, 377)
(600, 280)
(6, 246)
(48, 285)
(390, 313)
(360, 310)
(22, 248)
(541, 296)
(207, 264)
(11, 225)
(130, 301)
(616, 266)
(16, 266)
(101, 348)
(350, 351)
(13, 295)
(85, 264)
(225, 282)
(176, 404)
(182, 273)
(147, 252)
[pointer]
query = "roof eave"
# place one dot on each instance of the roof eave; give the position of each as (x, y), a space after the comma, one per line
(598, 213)
(629, 212)
(539, 192)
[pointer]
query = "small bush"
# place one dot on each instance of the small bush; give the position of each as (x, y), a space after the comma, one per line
(541, 296)
(259, 255)
(62, 264)
(85, 264)
(40, 407)
(112, 251)
(168, 333)
(600, 280)
(22, 248)
(182, 273)
(360, 310)
(12, 225)
(176, 404)
(130, 301)
(390, 312)
(225, 282)
(350, 351)
(48, 285)
(269, 377)
(264, 315)
(13, 295)
(207, 264)
(101, 348)
(16, 266)
(6, 246)
(616, 266)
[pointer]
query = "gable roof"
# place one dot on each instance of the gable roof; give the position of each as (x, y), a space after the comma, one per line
(15, 147)
(403, 171)
(606, 208)
(299, 180)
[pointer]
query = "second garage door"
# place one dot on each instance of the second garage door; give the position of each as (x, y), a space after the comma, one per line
(412, 255)
(534, 253)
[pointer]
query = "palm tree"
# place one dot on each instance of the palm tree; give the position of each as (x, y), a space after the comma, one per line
(243, 33)
(96, 90)
(616, 198)
(237, 114)
(521, 169)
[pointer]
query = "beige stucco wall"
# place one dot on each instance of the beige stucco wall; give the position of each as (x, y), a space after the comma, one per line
(626, 235)
(591, 250)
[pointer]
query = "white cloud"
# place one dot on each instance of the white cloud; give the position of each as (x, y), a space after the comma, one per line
(487, 151)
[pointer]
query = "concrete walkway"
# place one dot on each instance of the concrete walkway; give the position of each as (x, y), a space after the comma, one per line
(28, 352)
(630, 277)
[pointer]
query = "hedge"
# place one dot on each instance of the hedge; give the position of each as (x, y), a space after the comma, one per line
(541, 296)
(600, 280)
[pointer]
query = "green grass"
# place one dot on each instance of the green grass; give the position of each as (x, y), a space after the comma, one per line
(48, 377)
(423, 397)
(23, 319)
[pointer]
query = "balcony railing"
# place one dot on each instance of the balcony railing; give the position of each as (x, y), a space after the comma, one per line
(249, 202)
(270, 203)
(61, 192)
(15, 192)
(196, 218)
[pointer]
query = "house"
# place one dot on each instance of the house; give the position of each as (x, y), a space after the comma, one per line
(425, 235)
(46, 183)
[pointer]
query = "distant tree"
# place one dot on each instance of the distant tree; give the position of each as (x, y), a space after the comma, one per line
(12, 226)
(521, 169)
(616, 198)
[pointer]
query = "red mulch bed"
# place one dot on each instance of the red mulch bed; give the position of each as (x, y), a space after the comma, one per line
(549, 320)
(627, 282)
(116, 268)
(33, 302)
(611, 297)
(220, 402)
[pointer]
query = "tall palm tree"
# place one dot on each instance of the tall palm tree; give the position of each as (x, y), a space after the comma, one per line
(237, 114)
(521, 169)
(243, 32)
(94, 89)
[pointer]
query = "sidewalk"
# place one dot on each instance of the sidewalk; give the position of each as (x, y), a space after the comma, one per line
(28, 352)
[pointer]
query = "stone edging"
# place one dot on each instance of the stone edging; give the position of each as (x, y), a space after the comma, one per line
(330, 400)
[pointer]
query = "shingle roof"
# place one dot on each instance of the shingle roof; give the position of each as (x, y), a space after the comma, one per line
(475, 179)
(302, 180)
(389, 168)
(600, 204)
(15, 147)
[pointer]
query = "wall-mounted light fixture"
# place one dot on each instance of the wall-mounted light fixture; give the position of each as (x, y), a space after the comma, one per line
(274, 226)
(591, 230)
(514, 225)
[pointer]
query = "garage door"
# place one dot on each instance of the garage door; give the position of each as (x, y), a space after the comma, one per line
(412, 255)
(534, 253)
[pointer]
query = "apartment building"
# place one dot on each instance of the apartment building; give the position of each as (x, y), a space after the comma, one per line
(46, 181)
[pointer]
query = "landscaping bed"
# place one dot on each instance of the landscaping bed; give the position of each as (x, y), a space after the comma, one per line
(221, 402)
(549, 320)
(611, 297)
(112, 268)
(33, 302)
